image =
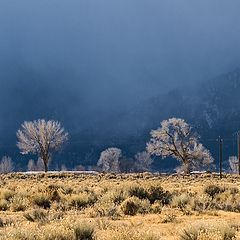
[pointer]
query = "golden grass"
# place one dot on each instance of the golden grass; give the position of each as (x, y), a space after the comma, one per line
(165, 206)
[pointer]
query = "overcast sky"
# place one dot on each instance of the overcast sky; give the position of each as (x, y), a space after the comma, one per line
(108, 54)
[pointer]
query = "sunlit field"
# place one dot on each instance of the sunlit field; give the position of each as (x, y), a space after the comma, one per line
(119, 206)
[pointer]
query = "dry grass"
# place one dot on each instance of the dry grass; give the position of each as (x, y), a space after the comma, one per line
(115, 207)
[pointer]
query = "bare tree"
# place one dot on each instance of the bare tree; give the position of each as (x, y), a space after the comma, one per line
(176, 138)
(36, 166)
(109, 160)
(143, 161)
(233, 162)
(6, 165)
(63, 168)
(41, 137)
(31, 165)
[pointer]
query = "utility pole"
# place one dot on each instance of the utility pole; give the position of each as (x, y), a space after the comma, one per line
(220, 141)
(238, 141)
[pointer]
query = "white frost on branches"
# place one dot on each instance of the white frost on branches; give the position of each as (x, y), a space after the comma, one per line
(175, 138)
(233, 162)
(6, 165)
(41, 137)
(143, 161)
(109, 160)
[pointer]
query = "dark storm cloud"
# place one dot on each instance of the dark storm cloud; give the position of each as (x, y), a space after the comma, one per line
(71, 58)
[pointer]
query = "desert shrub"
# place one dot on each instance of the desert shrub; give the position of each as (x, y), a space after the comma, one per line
(55, 196)
(234, 190)
(104, 209)
(4, 205)
(169, 218)
(42, 201)
(18, 203)
(206, 231)
(116, 196)
(152, 193)
(6, 194)
(180, 201)
(58, 234)
(20, 235)
(213, 190)
(145, 206)
(201, 203)
(190, 233)
(133, 205)
(66, 190)
(53, 192)
(1, 223)
(112, 197)
(156, 207)
(138, 191)
(84, 232)
(81, 200)
(130, 233)
(155, 193)
(36, 215)
(130, 206)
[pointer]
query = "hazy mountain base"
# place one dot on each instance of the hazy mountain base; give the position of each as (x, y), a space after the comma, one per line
(210, 107)
(115, 207)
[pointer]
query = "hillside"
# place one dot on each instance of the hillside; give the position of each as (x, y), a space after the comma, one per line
(212, 107)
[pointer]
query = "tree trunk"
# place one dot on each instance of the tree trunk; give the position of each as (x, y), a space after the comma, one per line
(45, 159)
(45, 166)
(45, 162)
(186, 168)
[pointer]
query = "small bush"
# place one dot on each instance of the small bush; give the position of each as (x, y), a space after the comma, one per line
(37, 215)
(53, 193)
(131, 206)
(117, 196)
(1, 223)
(4, 205)
(169, 218)
(234, 190)
(189, 234)
(213, 190)
(56, 235)
(84, 232)
(138, 191)
(6, 194)
(201, 203)
(215, 231)
(129, 233)
(152, 193)
(42, 201)
(156, 207)
(104, 209)
(18, 203)
(66, 190)
(55, 196)
(80, 201)
(155, 193)
(180, 201)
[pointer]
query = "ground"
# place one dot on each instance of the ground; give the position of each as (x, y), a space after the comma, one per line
(119, 206)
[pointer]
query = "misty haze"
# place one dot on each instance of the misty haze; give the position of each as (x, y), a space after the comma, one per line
(119, 120)
(112, 71)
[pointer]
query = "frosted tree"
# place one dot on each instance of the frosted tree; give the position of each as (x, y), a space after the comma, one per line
(38, 166)
(109, 160)
(6, 165)
(41, 137)
(31, 165)
(142, 162)
(175, 138)
(234, 164)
